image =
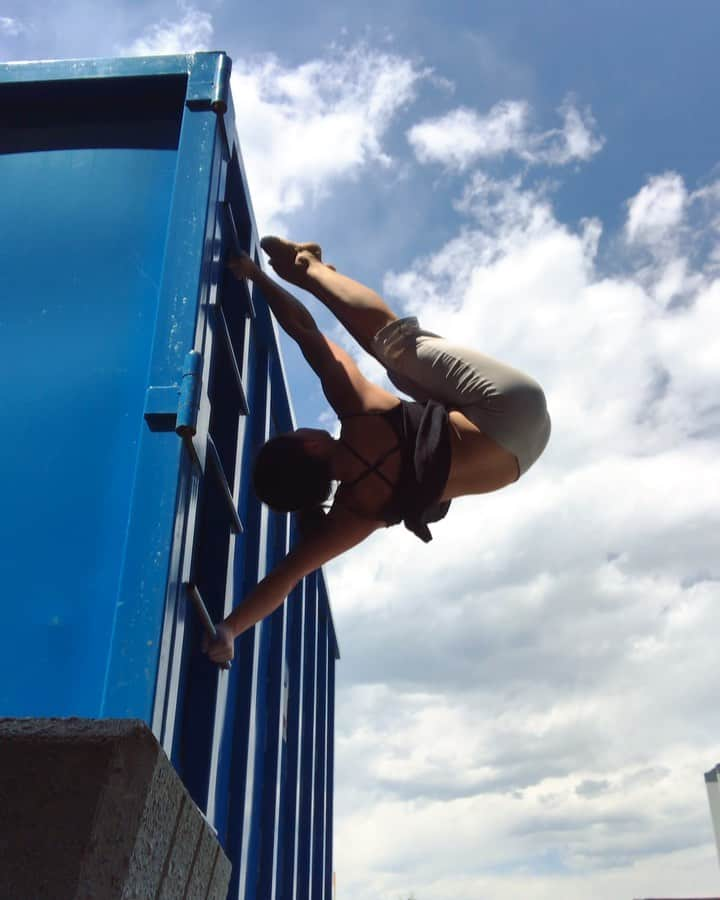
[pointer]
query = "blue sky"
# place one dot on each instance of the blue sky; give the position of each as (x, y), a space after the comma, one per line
(526, 706)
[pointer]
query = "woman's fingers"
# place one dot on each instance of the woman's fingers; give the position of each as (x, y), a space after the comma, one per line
(219, 649)
(241, 265)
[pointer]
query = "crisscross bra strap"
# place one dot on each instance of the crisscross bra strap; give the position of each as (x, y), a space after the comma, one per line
(370, 468)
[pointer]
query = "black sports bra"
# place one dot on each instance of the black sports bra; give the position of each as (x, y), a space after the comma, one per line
(423, 436)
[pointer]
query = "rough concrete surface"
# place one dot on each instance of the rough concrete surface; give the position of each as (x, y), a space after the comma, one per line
(202, 869)
(218, 889)
(180, 859)
(93, 810)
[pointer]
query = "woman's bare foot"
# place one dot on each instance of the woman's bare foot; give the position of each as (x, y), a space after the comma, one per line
(283, 252)
(290, 259)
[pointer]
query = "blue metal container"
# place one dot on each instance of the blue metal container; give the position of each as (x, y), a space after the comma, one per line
(139, 379)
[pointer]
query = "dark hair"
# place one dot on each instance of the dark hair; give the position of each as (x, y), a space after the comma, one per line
(288, 478)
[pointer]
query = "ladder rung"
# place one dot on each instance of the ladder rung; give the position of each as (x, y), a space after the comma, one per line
(238, 248)
(225, 331)
(235, 523)
(202, 612)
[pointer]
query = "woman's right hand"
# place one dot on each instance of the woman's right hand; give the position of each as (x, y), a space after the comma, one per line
(242, 265)
(221, 648)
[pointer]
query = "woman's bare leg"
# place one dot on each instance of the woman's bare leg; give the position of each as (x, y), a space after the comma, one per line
(361, 310)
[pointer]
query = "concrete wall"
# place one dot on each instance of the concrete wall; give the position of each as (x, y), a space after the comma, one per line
(93, 809)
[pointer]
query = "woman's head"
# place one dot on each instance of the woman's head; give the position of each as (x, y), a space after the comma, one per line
(292, 471)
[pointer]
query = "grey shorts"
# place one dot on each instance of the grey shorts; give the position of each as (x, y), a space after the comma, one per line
(504, 403)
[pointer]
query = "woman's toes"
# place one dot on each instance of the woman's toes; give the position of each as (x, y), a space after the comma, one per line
(285, 251)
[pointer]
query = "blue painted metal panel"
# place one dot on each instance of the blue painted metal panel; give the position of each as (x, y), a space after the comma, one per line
(78, 312)
(123, 193)
(308, 770)
(330, 786)
(133, 663)
(272, 746)
(319, 807)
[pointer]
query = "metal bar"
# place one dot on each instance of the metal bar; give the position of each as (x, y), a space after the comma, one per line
(81, 69)
(230, 218)
(286, 861)
(235, 524)
(330, 768)
(317, 875)
(189, 445)
(238, 248)
(201, 610)
(307, 772)
(225, 331)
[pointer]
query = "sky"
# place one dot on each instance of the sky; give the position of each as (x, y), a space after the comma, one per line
(526, 706)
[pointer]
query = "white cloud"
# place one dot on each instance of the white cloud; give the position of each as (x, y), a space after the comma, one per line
(11, 27)
(521, 261)
(302, 129)
(463, 136)
(576, 139)
(531, 710)
(674, 236)
(657, 209)
(193, 33)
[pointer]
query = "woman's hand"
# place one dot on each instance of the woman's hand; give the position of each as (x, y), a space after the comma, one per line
(221, 649)
(243, 266)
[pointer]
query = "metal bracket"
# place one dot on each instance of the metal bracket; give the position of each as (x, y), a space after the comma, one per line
(175, 407)
(209, 83)
(161, 407)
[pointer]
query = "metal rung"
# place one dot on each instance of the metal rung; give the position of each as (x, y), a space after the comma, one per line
(238, 248)
(222, 321)
(192, 451)
(201, 609)
(235, 524)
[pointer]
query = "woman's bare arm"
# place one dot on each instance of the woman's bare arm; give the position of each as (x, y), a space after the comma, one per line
(340, 531)
(346, 388)
(293, 316)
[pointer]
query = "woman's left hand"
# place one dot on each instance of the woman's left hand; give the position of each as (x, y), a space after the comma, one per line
(220, 649)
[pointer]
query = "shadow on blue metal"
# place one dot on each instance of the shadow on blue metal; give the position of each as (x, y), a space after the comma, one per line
(140, 380)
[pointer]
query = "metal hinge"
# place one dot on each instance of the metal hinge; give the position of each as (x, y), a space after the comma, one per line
(189, 395)
(175, 407)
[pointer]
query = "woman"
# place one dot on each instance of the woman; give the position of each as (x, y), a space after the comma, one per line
(475, 426)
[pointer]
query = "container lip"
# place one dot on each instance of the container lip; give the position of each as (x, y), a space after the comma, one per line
(110, 67)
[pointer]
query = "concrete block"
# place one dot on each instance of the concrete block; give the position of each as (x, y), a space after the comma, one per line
(94, 809)
(180, 859)
(203, 865)
(218, 889)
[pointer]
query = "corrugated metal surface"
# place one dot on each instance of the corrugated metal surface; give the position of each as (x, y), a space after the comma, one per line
(122, 192)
